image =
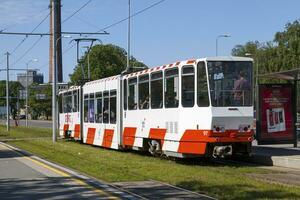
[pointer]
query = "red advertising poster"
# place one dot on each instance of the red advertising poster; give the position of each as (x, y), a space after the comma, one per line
(276, 114)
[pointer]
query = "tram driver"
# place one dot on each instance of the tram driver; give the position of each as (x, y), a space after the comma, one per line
(241, 87)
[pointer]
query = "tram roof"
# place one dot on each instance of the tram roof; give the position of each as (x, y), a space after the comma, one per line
(216, 58)
(227, 58)
(71, 88)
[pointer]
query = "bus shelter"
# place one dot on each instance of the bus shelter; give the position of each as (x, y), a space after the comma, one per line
(277, 109)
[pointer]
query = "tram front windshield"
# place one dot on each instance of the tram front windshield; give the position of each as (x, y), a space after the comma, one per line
(230, 83)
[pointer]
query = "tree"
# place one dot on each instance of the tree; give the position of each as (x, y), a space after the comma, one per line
(105, 60)
(14, 102)
(40, 101)
(282, 53)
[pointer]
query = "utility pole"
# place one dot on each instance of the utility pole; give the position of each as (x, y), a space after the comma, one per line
(7, 91)
(51, 64)
(128, 39)
(57, 34)
(56, 7)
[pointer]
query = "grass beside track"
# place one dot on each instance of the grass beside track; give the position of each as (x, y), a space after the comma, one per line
(217, 180)
(22, 132)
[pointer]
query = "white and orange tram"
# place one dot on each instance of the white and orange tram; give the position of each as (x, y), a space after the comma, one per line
(201, 107)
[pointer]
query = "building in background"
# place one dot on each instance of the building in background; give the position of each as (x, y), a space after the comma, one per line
(33, 77)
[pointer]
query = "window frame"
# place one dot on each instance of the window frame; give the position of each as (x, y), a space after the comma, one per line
(143, 79)
(105, 115)
(135, 97)
(113, 94)
(166, 76)
(182, 82)
(160, 78)
(198, 87)
(98, 97)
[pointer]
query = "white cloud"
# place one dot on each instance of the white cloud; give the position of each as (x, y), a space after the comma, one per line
(15, 12)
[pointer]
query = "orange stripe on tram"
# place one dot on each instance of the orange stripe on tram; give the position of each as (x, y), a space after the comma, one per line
(193, 142)
(108, 137)
(77, 131)
(90, 135)
(66, 128)
(129, 136)
(158, 133)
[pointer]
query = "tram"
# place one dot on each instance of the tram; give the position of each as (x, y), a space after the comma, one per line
(193, 108)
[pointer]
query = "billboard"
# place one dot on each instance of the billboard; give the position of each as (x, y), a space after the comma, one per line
(276, 116)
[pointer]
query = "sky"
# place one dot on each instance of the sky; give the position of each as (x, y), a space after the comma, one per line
(171, 31)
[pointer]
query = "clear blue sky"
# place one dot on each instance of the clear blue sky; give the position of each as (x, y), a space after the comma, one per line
(171, 31)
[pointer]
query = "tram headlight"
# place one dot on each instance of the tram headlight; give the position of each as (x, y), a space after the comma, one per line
(218, 128)
(244, 128)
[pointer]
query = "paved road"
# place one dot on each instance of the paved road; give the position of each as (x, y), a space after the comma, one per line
(31, 123)
(23, 177)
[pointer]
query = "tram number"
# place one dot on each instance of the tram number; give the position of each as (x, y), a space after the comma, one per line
(205, 133)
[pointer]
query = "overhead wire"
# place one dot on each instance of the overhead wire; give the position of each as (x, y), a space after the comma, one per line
(23, 40)
(133, 15)
(84, 5)
(107, 27)
(36, 27)
(30, 16)
(66, 19)
(85, 21)
(27, 51)
(63, 53)
(37, 41)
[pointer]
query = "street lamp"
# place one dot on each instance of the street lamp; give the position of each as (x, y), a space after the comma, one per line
(32, 60)
(219, 36)
(54, 90)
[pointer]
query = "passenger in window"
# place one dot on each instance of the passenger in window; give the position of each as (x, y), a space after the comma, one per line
(105, 116)
(241, 86)
(133, 106)
(171, 101)
(145, 103)
(98, 117)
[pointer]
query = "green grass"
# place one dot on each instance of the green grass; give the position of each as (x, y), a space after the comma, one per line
(22, 132)
(220, 181)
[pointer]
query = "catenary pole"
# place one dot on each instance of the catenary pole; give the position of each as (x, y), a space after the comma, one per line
(7, 92)
(128, 35)
(54, 81)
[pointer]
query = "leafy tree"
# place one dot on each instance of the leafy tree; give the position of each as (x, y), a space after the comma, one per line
(105, 60)
(40, 103)
(14, 102)
(282, 53)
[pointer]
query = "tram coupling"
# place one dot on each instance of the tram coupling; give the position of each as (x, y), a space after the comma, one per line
(222, 151)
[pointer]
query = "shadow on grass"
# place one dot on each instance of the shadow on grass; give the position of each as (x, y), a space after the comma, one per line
(194, 161)
(237, 191)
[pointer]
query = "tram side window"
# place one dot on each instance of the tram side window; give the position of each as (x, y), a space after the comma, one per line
(132, 96)
(92, 108)
(144, 92)
(86, 106)
(113, 106)
(64, 106)
(125, 93)
(171, 88)
(188, 86)
(98, 110)
(75, 101)
(60, 103)
(156, 90)
(106, 107)
(202, 89)
(67, 102)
